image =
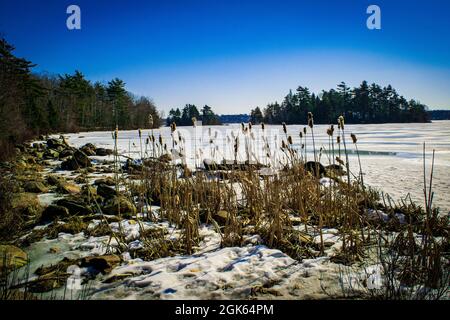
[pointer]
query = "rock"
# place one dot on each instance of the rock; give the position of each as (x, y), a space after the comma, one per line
(107, 181)
(54, 180)
(335, 169)
(103, 264)
(102, 152)
(51, 154)
(69, 188)
(12, 257)
(166, 158)
(55, 143)
(316, 168)
(65, 153)
(54, 211)
(127, 209)
(88, 149)
(106, 192)
(377, 215)
(74, 207)
(77, 161)
(80, 179)
(34, 187)
(221, 217)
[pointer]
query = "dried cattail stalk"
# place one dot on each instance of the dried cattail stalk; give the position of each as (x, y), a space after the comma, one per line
(194, 122)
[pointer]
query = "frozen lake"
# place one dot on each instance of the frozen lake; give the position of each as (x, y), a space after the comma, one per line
(391, 154)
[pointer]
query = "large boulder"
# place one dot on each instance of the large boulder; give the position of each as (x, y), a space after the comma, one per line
(68, 188)
(54, 211)
(108, 181)
(102, 152)
(103, 264)
(121, 205)
(74, 207)
(56, 143)
(105, 191)
(89, 149)
(77, 161)
(315, 168)
(35, 187)
(65, 153)
(12, 257)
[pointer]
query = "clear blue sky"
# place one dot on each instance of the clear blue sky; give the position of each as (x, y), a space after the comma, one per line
(235, 55)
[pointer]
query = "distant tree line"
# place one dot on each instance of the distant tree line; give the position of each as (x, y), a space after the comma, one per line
(32, 104)
(184, 117)
(363, 104)
(439, 114)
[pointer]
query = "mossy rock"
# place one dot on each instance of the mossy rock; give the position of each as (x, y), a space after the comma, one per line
(12, 257)
(75, 207)
(53, 211)
(54, 180)
(68, 188)
(121, 205)
(106, 192)
(35, 187)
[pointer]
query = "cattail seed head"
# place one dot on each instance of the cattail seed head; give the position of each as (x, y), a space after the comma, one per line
(304, 130)
(140, 133)
(353, 138)
(262, 125)
(341, 122)
(289, 139)
(150, 120)
(284, 127)
(250, 126)
(283, 144)
(311, 122)
(160, 139)
(301, 135)
(338, 138)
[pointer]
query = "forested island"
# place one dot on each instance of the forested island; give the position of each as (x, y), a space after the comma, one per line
(185, 116)
(363, 104)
